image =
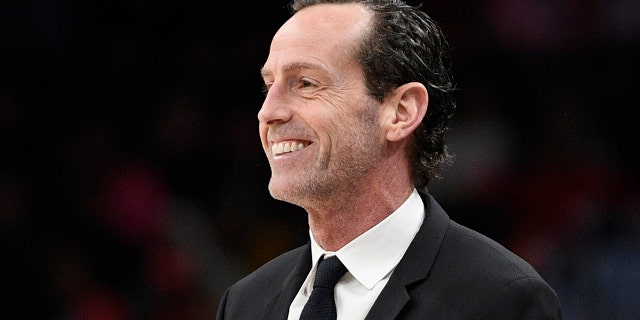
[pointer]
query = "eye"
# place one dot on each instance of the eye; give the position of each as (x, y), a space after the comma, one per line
(304, 83)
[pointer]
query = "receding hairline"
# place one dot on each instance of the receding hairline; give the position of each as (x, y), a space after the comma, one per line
(361, 35)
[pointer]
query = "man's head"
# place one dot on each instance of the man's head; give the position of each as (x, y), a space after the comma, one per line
(404, 44)
(348, 86)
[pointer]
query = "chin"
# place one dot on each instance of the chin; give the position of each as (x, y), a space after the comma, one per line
(285, 193)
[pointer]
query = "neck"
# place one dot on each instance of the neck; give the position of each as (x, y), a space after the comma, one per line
(337, 223)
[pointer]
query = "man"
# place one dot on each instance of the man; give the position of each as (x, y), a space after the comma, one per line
(358, 97)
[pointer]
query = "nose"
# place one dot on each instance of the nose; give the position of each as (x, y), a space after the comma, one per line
(274, 108)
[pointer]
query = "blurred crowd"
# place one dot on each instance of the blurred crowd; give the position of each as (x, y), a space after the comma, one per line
(133, 184)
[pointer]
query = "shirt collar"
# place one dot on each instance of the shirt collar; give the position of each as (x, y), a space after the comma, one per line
(374, 254)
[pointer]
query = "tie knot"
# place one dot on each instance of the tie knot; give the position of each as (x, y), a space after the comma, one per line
(330, 270)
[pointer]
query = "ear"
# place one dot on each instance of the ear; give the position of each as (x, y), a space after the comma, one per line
(406, 107)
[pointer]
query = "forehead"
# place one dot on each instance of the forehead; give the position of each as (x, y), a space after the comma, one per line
(344, 17)
(320, 34)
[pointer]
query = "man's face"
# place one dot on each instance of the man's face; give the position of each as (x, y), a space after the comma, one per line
(318, 127)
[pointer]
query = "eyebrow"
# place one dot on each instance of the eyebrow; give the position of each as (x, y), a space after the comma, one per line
(294, 66)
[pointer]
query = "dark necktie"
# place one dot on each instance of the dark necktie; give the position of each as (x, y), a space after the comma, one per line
(321, 304)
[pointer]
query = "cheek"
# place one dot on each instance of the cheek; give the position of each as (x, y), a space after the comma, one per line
(335, 134)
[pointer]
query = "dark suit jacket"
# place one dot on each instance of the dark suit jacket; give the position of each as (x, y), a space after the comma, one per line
(449, 272)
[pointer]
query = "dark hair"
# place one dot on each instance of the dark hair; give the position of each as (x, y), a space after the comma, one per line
(405, 45)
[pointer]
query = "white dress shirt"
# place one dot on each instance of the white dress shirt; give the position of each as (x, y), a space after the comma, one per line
(370, 259)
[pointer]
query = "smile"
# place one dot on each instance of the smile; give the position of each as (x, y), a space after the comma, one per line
(283, 147)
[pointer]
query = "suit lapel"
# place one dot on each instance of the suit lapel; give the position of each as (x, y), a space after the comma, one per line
(391, 300)
(415, 264)
(278, 307)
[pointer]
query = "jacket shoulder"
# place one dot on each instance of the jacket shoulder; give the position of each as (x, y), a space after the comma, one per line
(271, 273)
(489, 280)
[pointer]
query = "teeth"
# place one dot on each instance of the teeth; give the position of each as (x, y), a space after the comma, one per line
(286, 147)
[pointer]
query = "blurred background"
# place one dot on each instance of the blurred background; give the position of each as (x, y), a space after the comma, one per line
(133, 184)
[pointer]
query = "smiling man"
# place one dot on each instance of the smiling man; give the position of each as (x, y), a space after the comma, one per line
(358, 99)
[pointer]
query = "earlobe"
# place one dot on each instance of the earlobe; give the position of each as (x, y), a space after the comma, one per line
(409, 103)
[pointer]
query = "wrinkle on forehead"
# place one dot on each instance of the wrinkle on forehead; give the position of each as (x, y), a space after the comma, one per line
(320, 32)
(326, 24)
